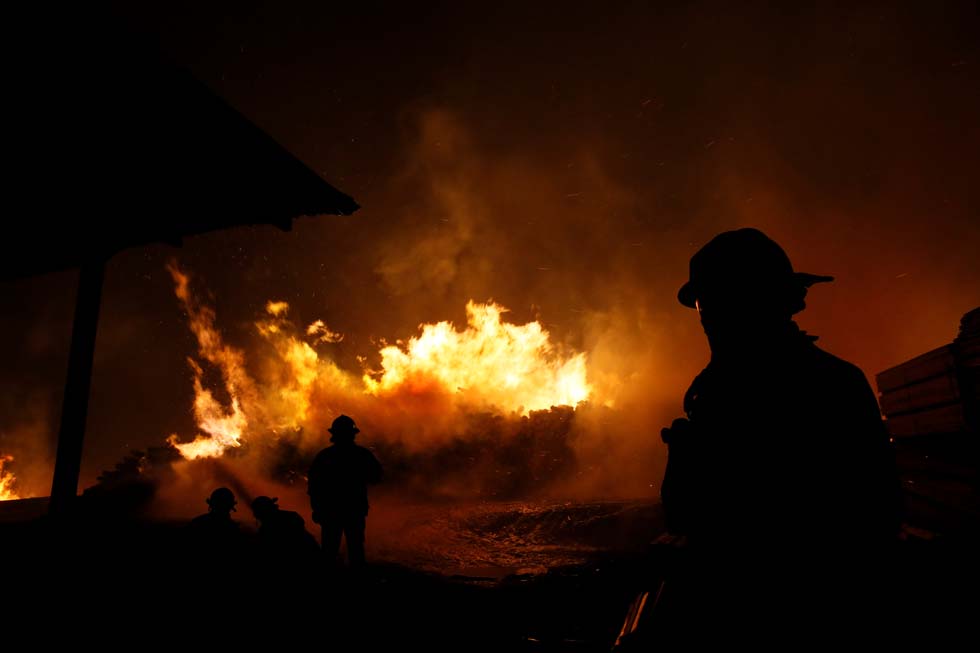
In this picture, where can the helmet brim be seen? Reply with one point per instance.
(688, 294)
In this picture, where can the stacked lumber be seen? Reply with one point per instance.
(936, 393)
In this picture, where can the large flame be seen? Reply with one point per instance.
(7, 480)
(491, 364)
(511, 367)
(222, 426)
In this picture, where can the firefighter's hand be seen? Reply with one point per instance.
(677, 431)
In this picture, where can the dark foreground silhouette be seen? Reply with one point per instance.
(780, 484)
(338, 481)
(282, 537)
(215, 530)
(781, 490)
(111, 576)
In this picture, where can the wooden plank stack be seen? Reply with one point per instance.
(936, 393)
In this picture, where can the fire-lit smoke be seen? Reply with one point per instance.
(7, 480)
(567, 172)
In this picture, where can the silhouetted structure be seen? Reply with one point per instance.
(932, 403)
(938, 392)
(338, 481)
(782, 476)
(151, 155)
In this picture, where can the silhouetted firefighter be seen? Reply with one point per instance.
(282, 533)
(338, 481)
(782, 477)
(216, 530)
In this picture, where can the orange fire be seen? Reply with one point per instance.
(512, 367)
(490, 364)
(222, 426)
(7, 480)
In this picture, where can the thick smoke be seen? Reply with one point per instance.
(452, 410)
(568, 172)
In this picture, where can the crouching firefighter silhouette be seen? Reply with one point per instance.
(282, 533)
(781, 480)
(338, 481)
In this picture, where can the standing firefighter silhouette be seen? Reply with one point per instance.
(781, 478)
(338, 481)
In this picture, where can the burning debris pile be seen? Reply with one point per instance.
(491, 456)
(489, 410)
(486, 411)
(494, 457)
(427, 381)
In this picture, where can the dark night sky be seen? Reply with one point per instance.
(564, 160)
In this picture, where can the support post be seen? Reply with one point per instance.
(64, 487)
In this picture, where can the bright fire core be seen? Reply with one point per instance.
(513, 367)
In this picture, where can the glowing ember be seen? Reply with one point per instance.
(512, 367)
(7, 480)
